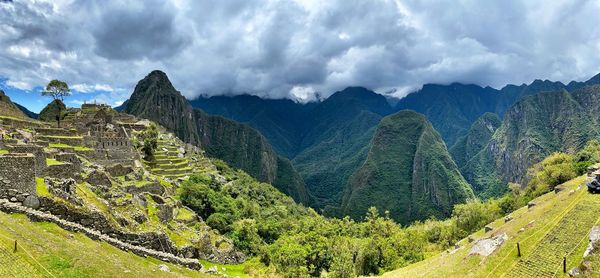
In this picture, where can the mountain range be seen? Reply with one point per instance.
(329, 154)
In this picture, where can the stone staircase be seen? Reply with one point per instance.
(169, 161)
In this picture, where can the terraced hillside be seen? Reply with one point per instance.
(558, 225)
(46, 250)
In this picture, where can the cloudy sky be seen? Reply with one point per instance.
(291, 48)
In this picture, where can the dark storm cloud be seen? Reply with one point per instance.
(133, 33)
(297, 47)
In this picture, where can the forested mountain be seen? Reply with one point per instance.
(408, 172)
(328, 141)
(476, 138)
(239, 145)
(453, 108)
(533, 128)
(282, 121)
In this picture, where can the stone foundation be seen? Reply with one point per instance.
(37, 151)
(17, 174)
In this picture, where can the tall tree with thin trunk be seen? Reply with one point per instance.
(58, 90)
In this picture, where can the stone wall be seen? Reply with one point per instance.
(69, 158)
(63, 171)
(17, 123)
(38, 153)
(72, 141)
(114, 143)
(56, 131)
(17, 175)
(118, 170)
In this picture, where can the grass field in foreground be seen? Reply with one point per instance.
(558, 225)
(54, 253)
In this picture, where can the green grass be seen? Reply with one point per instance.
(53, 249)
(557, 225)
(41, 188)
(61, 137)
(59, 145)
(185, 214)
(230, 270)
(76, 148)
(3, 152)
(52, 161)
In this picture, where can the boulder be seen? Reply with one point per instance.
(507, 218)
(531, 204)
(574, 272)
(164, 268)
(32, 202)
(594, 241)
(487, 228)
(486, 246)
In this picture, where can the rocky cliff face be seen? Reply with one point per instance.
(476, 139)
(532, 129)
(239, 145)
(8, 108)
(408, 172)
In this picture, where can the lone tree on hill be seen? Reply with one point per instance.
(58, 90)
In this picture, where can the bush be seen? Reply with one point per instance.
(555, 169)
(220, 221)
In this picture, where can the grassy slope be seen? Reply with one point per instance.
(550, 232)
(63, 256)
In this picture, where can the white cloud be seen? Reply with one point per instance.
(85, 88)
(273, 48)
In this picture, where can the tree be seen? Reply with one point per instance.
(57, 89)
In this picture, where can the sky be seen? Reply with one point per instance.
(290, 48)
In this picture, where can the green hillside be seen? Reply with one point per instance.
(532, 129)
(558, 225)
(476, 139)
(408, 172)
(46, 250)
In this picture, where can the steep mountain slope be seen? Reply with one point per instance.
(408, 172)
(282, 121)
(239, 145)
(452, 108)
(476, 139)
(337, 143)
(8, 108)
(327, 140)
(532, 128)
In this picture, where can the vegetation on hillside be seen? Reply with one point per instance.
(408, 172)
